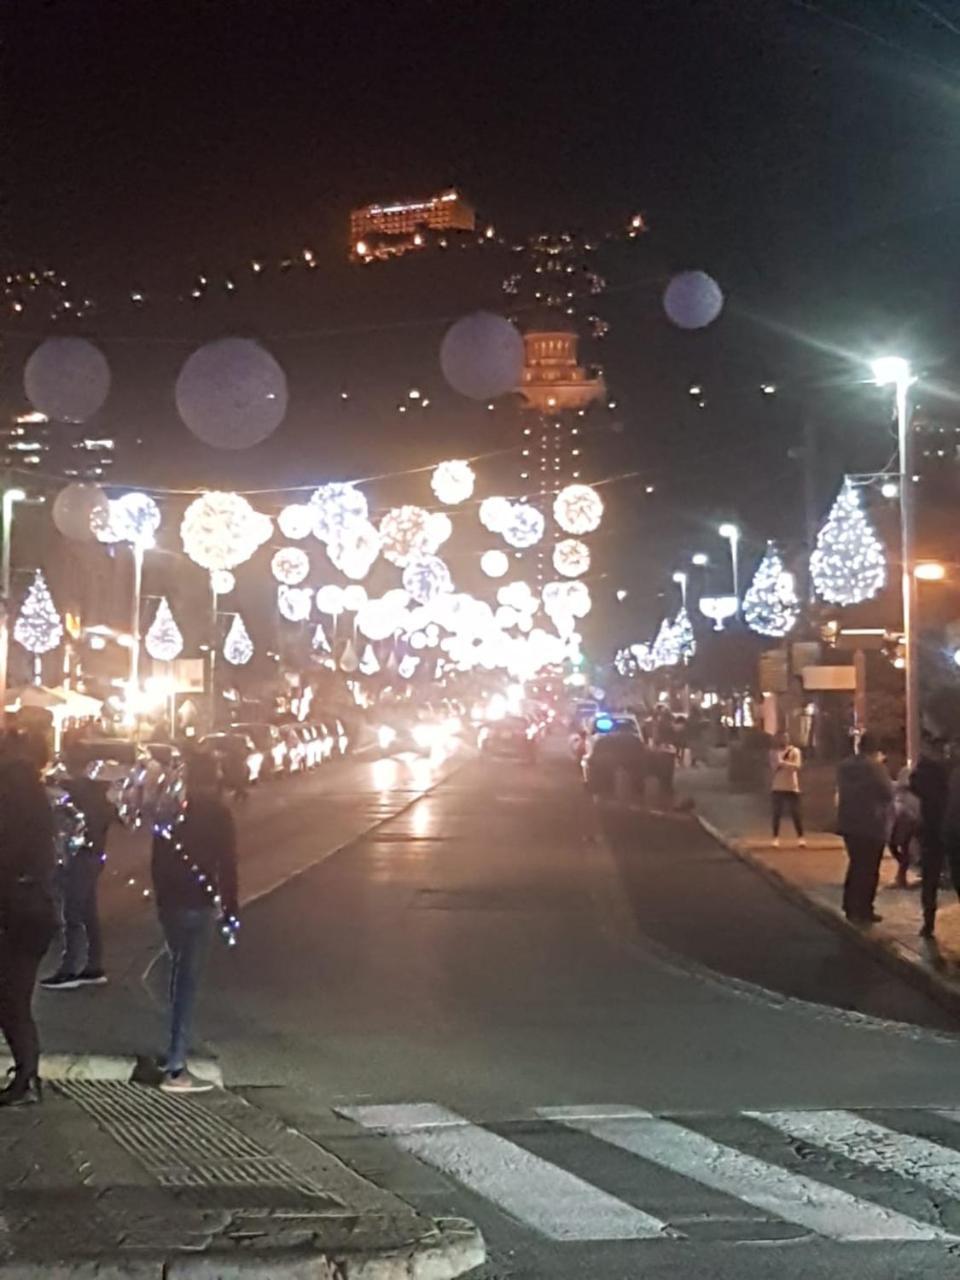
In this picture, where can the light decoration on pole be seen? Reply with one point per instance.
(330, 600)
(133, 518)
(525, 526)
(666, 646)
(38, 627)
(719, 609)
(294, 603)
(495, 514)
(369, 664)
(495, 564)
(571, 557)
(355, 549)
(848, 564)
(238, 647)
(404, 534)
(297, 520)
(578, 509)
(354, 597)
(290, 566)
(222, 582)
(427, 578)
(163, 640)
(381, 618)
(453, 481)
(222, 530)
(320, 643)
(770, 606)
(335, 507)
(407, 666)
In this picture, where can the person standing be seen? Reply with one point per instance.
(937, 790)
(81, 964)
(865, 812)
(906, 826)
(785, 764)
(194, 867)
(28, 917)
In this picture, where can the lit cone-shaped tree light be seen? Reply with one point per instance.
(163, 641)
(848, 564)
(683, 632)
(238, 647)
(770, 606)
(38, 627)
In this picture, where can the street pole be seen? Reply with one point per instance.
(213, 658)
(137, 550)
(909, 582)
(10, 498)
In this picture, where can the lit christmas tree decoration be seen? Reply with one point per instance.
(683, 630)
(524, 527)
(290, 565)
(238, 647)
(643, 656)
(404, 534)
(297, 520)
(320, 643)
(578, 509)
(571, 557)
(495, 564)
(335, 507)
(222, 530)
(294, 603)
(38, 627)
(770, 606)
(453, 482)
(848, 564)
(222, 582)
(666, 646)
(495, 513)
(163, 640)
(369, 665)
(355, 549)
(427, 578)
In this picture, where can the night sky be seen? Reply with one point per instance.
(807, 155)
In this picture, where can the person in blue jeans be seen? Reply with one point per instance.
(194, 867)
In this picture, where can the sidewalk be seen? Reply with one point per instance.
(115, 1180)
(741, 821)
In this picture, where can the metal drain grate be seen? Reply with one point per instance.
(180, 1142)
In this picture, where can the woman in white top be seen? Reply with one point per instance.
(785, 763)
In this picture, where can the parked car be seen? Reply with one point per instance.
(513, 736)
(117, 762)
(619, 748)
(312, 744)
(239, 755)
(296, 759)
(268, 740)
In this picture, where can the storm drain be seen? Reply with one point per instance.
(182, 1144)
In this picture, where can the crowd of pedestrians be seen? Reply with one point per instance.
(53, 844)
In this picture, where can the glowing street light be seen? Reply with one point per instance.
(680, 578)
(700, 559)
(930, 571)
(732, 534)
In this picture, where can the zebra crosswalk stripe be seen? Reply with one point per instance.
(856, 1138)
(539, 1194)
(836, 1214)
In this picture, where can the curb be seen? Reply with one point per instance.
(887, 950)
(451, 1249)
(100, 1066)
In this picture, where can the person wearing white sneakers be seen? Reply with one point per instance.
(785, 764)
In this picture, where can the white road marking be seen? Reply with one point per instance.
(550, 1200)
(847, 1134)
(790, 1196)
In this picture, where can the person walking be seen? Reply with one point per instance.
(78, 874)
(865, 812)
(906, 827)
(194, 867)
(939, 793)
(785, 764)
(28, 917)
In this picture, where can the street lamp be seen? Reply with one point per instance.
(732, 535)
(10, 498)
(700, 559)
(895, 371)
(930, 571)
(680, 578)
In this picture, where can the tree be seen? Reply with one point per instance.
(848, 564)
(38, 627)
(770, 606)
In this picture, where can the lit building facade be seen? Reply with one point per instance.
(65, 449)
(384, 230)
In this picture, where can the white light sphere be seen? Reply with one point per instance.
(222, 582)
(525, 526)
(231, 393)
(67, 379)
(418, 640)
(506, 617)
(294, 603)
(439, 529)
(692, 300)
(355, 549)
(222, 530)
(354, 597)
(335, 507)
(495, 564)
(518, 595)
(133, 518)
(290, 565)
(426, 578)
(578, 601)
(571, 557)
(74, 507)
(404, 534)
(482, 356)
(297, 520)
(453, 481)
(378, 620)
(495, 513)
(525, 622)
(330, 599)
(578, 508)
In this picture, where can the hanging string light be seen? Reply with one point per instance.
(848, 564)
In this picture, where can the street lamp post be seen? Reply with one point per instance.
(680, 578)
(732, 535)
(10, 498)
(895, 371)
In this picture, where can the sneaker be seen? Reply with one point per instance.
(92, 978)
(60, 982)
(801, 843)
(184, 1082)
(775, 842)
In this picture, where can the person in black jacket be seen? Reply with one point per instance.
(930, 781)
(194, 867)
(864, 818)
(28, 918)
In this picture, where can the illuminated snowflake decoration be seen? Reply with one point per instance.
(566, 599)
(297, 521)
(290, 565)
(238, 647)
(453, 482)
(427, 578)
(222, 582)
(571, 557)
(222, 530)
(495, 513)
(518, 595)
(405, 534)
(355, 549)
(578, 509)
(495, 564)
(133, 518)
(525, 526)
(335, 506)
(330, 600)
(163, 640)
(294, 603)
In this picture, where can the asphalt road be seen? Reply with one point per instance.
(596, 1034)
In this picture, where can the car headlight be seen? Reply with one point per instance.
(386, 736)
